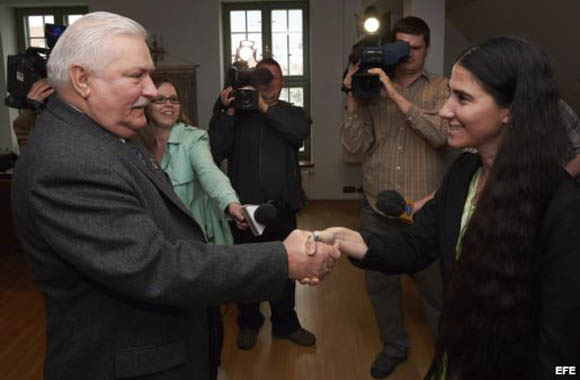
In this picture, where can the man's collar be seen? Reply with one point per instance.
(425, 74)
(64, 110)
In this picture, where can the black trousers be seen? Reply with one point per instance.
(284, 318)
(386, 295)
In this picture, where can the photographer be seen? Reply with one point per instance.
(401, 140)
(261, 147)
(37, 95)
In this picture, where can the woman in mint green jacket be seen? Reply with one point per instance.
(183, 152)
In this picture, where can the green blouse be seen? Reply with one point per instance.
(198, 182)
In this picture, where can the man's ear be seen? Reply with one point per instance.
(79, 79)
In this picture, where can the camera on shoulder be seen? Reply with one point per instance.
(24, 69)
(245, 77)
(244, 81)
(385, 57)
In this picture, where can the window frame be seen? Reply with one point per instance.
(289, 80)
(59, 14)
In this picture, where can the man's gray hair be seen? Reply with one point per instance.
(84, 43)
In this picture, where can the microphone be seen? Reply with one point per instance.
(394, 205)
(258, 216)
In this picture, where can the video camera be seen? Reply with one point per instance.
(23, 70)
(385, 57)
(244, 77)
(244, 81)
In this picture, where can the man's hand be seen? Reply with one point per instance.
(308, 261)
(390, 91)
(39, 91)
(227, 99)
(351, 102)
(235, 211)
(388, 85)
(347, 241)
(352, 69)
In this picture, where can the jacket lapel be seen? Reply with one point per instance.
(457, 194)
(128, 151)
(147, 165)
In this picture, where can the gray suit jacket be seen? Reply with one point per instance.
(121, 264)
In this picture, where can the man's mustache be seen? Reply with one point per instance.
(141, 102)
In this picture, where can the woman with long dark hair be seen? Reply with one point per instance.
(505, 223)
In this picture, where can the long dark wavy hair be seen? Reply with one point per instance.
(488, 325)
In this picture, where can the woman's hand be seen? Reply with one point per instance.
(40, 90)
(349, 242)
(235, 211)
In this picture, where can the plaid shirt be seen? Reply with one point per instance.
(406, 153)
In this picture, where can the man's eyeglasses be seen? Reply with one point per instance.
(162, 99)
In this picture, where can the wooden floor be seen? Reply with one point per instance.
(338, 311)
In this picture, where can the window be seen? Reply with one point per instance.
(30, 23)
(278, 30)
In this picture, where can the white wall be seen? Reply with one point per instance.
(455, 44)
(553, 25)
(330, 43)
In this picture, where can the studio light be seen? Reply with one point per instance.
(371, 23)
(246, 51)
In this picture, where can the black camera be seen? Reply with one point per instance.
(244, 81)
(29, 67)
(385, 57)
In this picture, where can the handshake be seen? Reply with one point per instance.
(311, 255)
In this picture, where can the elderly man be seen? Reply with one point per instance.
(119, 260)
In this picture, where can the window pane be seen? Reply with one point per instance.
(295, 20)
(297, 96)
(280, 50)
(279, 43)
(279, 21)
(254, 21)
(257, 38)
(72, 18)
(49, 19)
(296, 54)
(295, 40)
(38, 42)
(237, 21)
(284, 94)
(282, 59)
(35, 26)
(296, 65)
